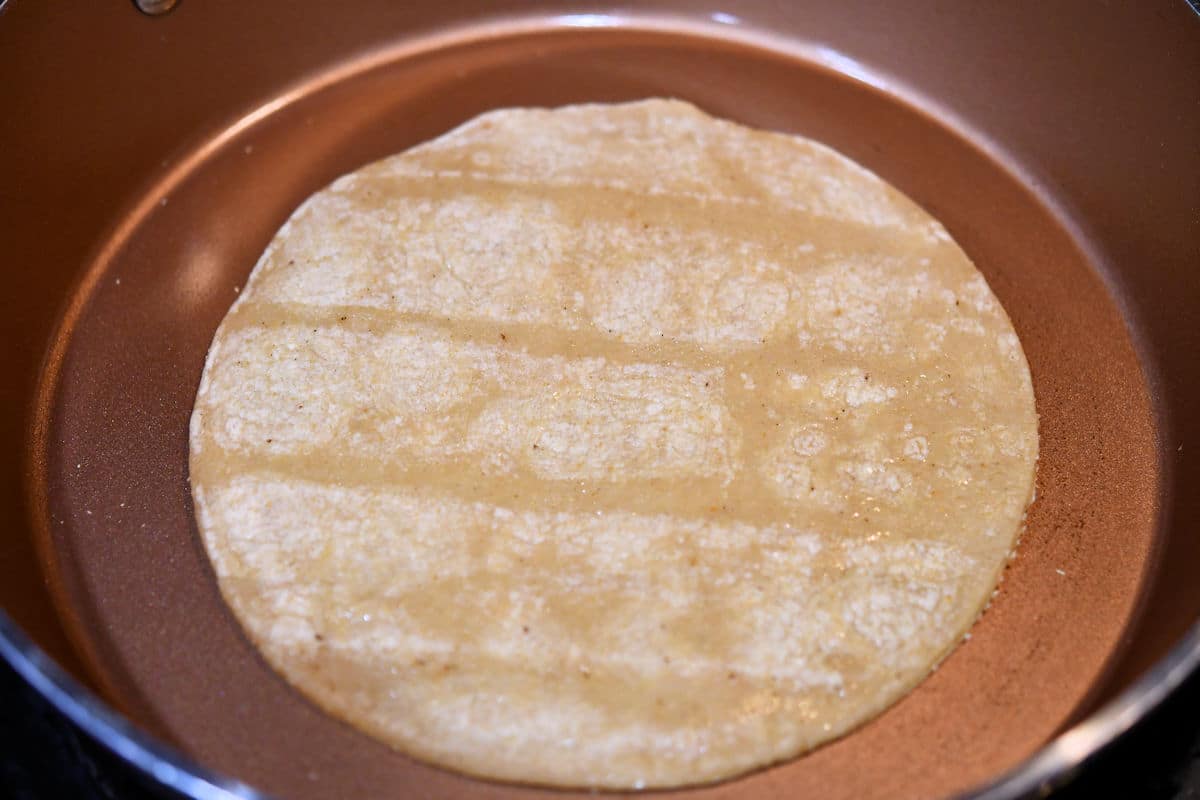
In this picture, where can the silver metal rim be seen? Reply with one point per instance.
(97, 719)
(1050, 768)
(1053, 766)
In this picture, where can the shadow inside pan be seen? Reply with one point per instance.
(112, 500)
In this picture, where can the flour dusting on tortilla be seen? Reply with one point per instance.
(611, 445)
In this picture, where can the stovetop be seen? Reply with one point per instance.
(43, 756)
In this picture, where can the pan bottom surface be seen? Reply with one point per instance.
(111, 498)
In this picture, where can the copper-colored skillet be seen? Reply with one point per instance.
(145, 163)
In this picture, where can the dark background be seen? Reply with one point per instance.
(43, 757)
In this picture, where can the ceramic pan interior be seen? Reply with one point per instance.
(116, 345)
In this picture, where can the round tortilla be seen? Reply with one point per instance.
(612, 446)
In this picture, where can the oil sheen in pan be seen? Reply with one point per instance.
(131, 576)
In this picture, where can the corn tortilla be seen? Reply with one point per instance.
(611, 445)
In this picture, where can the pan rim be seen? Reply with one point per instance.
(1053, 765)
(152, 757)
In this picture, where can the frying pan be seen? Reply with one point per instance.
(145, 162)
